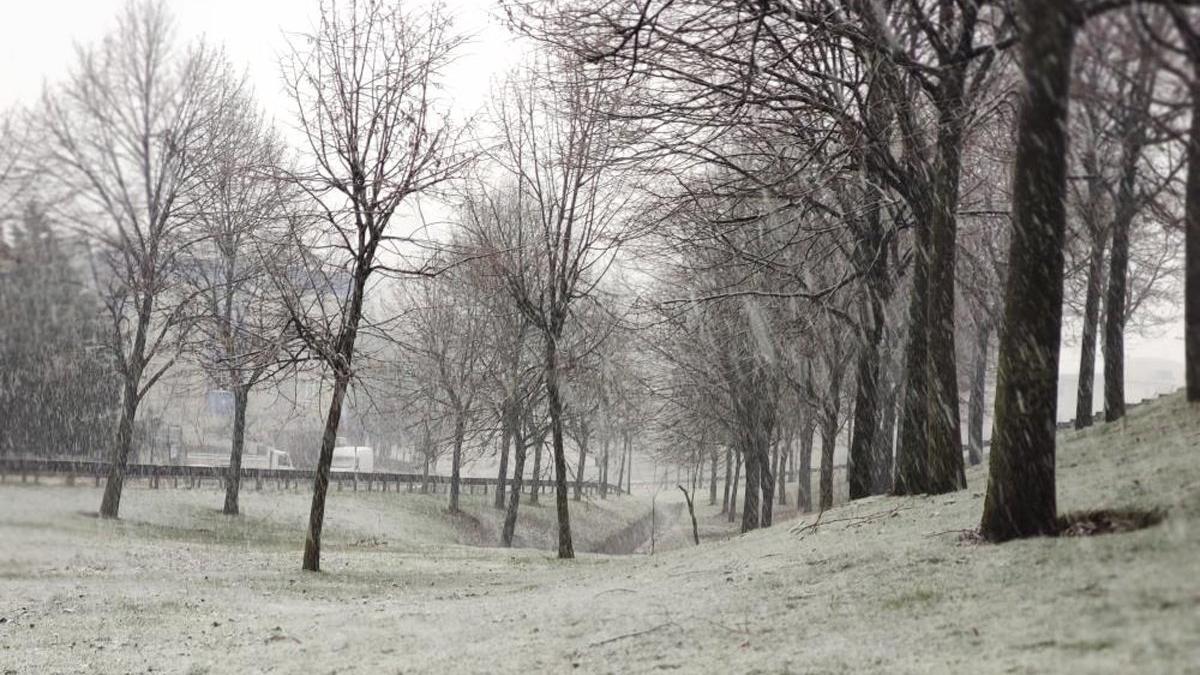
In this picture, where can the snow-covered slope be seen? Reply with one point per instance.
(882, 585)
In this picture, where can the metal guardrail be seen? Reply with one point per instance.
(156, 472)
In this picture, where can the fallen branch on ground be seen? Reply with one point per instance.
(805, 530)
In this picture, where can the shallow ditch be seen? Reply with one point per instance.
(633, 536)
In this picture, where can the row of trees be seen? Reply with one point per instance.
(810, 201)
(211, 241)
(839, 172)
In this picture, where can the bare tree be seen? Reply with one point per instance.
(443, 332)
(1021, 495)
(553, 239)
(364, 85)
(241, 330)
(126, 137)
(1189, 31)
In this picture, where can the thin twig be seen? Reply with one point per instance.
(633, 634)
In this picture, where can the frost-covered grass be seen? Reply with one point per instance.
(883, 585)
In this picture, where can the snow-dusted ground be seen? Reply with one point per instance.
(176, 587)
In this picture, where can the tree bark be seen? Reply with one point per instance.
(862, 456)
(233, 482)
(537, 469)
(1021, 500)
(514, 498)
(1084, 411)
(1114, 319)
(134, 367)
(728, 478)
(766, 482)
(629, 471)
(456, 459)
(752, 491)
(944, 425)
(712, 478)
(566, 549)
(316, 516)
(828, 444)
(604, 468)
(1192, 236)
(881, 481)
(737, 478)
(621, 470)
(911, 456)
(506, 434)
(781, 472)
(583, 444)
(804, 470)
(975, 406)
(110, 504)
(425, 470)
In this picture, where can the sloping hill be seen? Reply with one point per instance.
(882, 585)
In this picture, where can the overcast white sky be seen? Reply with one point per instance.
(37, 38)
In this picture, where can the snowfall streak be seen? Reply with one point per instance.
(155, 472)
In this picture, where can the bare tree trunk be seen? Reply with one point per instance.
(752, 491)
(110, 504)
(737, 478)
(425, 470)
(713, 458)
(565, 548)
(804, 468)
(233, 482)
(629, 471)
(604, 469)
(456, 460)
(514, 498)
(621, 470)
(539, 447)
(728, 478)
(316, 516)
(766, 481)
(866, 411)
(1084, 411)
(1133, 129)
(975, 406)
(944, 424)
(781, 471)
(828, 444)
(506, 435)
(1114, 321)
(579, 470)
(881, 482)
(1192, 235)
(912, 465)
(1021, 496)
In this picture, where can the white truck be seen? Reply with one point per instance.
(269, 458)
(353, 459)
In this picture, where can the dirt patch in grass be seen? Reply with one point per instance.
(1107, 521)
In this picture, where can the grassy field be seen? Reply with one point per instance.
(882, 585)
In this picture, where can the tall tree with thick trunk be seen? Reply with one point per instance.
(1021, 497)
(1190, 32)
